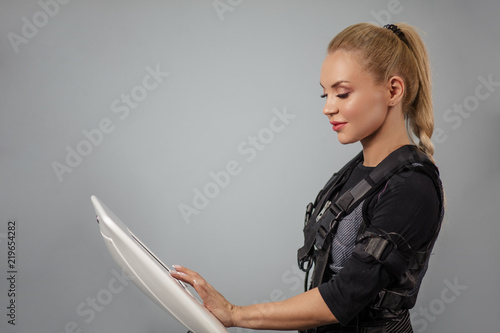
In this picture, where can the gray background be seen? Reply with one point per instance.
(227, 73)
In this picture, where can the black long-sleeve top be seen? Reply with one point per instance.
(408, 205)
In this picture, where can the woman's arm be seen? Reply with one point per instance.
(306, 310)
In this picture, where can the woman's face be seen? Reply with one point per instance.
(355, 105)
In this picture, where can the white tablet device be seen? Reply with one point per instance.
(151, 275)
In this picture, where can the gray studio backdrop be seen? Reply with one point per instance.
(199, 123)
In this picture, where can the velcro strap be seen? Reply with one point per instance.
(321, 263)
(387, 299)
(395, 263)
(418, 260)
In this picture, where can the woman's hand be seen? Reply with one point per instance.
(213, 300)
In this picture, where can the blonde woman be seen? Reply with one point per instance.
(368, 261)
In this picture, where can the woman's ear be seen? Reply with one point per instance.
(396, 87)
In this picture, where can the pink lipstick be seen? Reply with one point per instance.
(337, 125)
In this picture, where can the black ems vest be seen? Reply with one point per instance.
(323, 217)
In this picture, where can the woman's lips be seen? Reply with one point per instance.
(337, 125)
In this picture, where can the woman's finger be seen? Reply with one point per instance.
(199, 284)
(183, 274)
(212, 299)
(183, 269)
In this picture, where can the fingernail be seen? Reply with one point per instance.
(176, 266)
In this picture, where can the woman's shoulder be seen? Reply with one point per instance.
(409, 203)
(417, 179)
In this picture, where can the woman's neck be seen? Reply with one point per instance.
(372, 156)
(391, 136)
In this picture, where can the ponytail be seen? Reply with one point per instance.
(420, 114)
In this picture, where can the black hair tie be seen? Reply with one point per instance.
(394, 28)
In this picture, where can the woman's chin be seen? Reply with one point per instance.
(345, 140)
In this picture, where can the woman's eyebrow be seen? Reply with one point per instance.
(335, 84)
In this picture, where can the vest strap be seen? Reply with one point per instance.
(306, 254)
(387, 299)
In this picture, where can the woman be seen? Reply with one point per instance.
(376, 82)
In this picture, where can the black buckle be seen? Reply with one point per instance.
(381, 298)
(377, 248)
(305, 264)
(332, 212)
(337, 212)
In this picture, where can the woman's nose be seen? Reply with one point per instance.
(330, 107)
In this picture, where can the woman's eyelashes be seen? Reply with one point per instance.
(344, 95)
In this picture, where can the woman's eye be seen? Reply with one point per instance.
(345, 95)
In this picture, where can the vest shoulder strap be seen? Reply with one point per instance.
(310, 228)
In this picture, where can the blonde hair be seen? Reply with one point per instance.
(385, 53)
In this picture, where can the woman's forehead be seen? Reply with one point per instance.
(341, 67)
